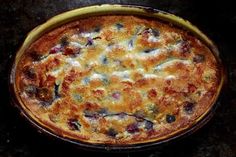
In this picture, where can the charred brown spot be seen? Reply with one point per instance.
(44, 94)
(35, 56)
(29, 73)
(68, 51)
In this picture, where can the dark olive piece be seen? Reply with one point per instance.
(56, 90)
(170, 118)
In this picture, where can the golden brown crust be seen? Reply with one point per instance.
(117, 80)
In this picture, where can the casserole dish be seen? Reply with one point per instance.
(42, 101)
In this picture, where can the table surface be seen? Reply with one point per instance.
(217, 19)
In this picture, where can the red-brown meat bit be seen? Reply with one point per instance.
(152, 93)
(191, 88)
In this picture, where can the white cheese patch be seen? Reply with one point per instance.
(74, 37)
(171, 63)
(73, 62)
(170, 77)
(76, 44)
(88, 34)
(150, 76)
(152, 38)
(56, 72)
(122, 74)
(96, 76)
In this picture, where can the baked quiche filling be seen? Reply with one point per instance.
(117, 80)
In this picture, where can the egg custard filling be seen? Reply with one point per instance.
(117, 79)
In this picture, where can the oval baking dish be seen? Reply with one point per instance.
(117, 77)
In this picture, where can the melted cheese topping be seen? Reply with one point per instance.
(117, 80)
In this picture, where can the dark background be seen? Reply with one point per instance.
(216, 18)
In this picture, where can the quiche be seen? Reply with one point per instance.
(117, 79)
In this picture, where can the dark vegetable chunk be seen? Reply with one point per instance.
(148, 125)
(119, 26)
(188, 107)
(132, 128)
(56, 90)
(74, 124)
(112, 132)
(199, 58)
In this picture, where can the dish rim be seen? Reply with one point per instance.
(108, 9)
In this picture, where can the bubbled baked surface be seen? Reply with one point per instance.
(117, 80)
